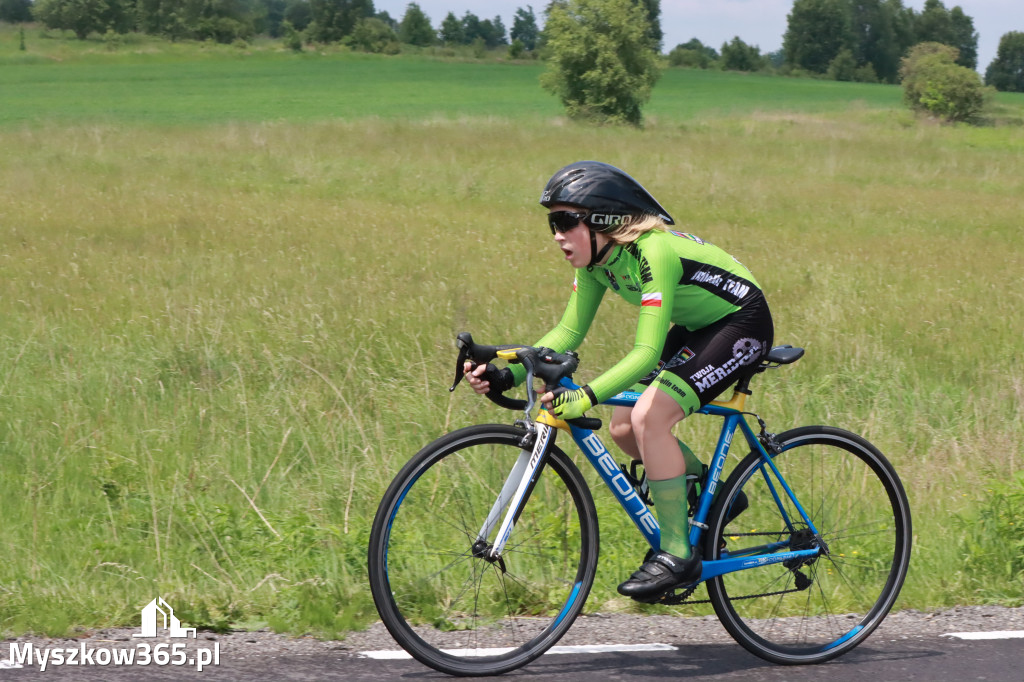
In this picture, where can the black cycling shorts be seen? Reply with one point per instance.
(697, 366)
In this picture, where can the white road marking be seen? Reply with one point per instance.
(995, 634)
(580, 649)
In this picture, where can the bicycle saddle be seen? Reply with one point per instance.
(783, 355)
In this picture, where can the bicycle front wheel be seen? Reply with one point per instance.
(444, 601)
(811, 609)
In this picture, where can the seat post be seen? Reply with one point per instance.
(743, 385)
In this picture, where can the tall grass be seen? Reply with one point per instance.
(219, 342)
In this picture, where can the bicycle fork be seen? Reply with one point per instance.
(514, 493)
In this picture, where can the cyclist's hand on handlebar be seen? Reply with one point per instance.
(567, 404)
(479, 385)
(483, 378)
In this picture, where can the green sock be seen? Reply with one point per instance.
(693, 464)
(670, 502)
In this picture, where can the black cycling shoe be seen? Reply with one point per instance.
(660, 573)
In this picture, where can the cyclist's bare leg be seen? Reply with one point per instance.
(652, 420)
(621, 430)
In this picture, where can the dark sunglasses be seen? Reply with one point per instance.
(563, 221)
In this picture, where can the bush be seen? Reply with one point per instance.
(224, 30)
(738, 56)
(374, 35)
(693, 59)
(478, 48)
(934, 84)
(865, 74)
(600, 59)
(81, 16)
(843, 66)
(292, 37)
(994, 541)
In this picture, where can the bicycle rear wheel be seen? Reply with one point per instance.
(447, 606)
(814, 609)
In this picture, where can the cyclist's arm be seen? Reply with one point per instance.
(658, 295)
(579, 313)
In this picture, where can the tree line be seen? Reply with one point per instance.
(225, 21)
(852, 40)
(862, 40)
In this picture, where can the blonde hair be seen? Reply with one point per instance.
(626, 233)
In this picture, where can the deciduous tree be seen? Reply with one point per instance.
(815, 32)
(937, 24)
(15, 11)
(80, 16)
(336, 19)
(374, 35)
(965, 38)
(1006, 72)
(524, 28)
(876, 40)
(602, 65)
(492, 31)
(451, 32)
(415, 28)
(654, 32)
(738, 56)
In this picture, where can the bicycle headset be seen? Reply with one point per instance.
(611, 195)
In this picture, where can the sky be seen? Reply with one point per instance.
(713, 22)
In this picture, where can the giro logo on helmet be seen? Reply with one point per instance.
(609, 219)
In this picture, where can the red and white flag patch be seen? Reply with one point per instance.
(651, 299)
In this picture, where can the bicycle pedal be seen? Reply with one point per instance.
(638, 481)
(673, 596)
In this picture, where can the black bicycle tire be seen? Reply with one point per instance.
(810, 653)
(390, 612)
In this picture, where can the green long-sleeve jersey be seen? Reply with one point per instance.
(673, 277)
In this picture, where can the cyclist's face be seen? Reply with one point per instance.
(575, 242)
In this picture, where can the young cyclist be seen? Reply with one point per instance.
(703, 323)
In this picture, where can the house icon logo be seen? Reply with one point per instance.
(159, 612)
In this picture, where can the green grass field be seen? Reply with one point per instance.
(230, 284)
(147, 82)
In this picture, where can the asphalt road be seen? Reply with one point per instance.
(935, 659)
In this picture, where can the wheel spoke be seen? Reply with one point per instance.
(438, 595)
(855, 502)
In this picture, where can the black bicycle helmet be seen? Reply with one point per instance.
(611, 196)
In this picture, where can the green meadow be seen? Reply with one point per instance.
(230, 280)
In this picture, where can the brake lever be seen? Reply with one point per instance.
(460, 363)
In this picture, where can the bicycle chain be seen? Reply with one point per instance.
(677, 600)
(671, 598)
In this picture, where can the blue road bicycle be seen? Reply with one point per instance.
(485, 545)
